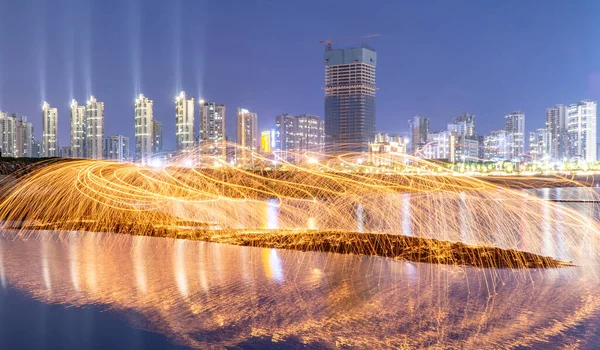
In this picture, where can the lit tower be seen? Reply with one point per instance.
(49, 131)
(212, 128)
(184, 122)
(78, 130)
(247, 134)
(349, 98)
(143, 128)
(95, 129)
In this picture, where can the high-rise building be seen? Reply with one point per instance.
(184, 122)
(143, 128)
(310, 133)
(556, 124)
(285, 137)
(350, 98)
(539, 144)
(294, 136)
(23, 137)
(49, 131)
(514, 125)
(496, 146)
(581, 126)
(95, 128)
(247, 135)
(212, 128)
(78, 130)
(419, 129)
(116, 148)
(7, 135)
(157, 137)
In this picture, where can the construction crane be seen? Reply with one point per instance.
(330, 40)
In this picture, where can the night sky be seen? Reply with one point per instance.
(435, 58)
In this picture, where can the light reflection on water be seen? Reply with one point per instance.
(201, 294)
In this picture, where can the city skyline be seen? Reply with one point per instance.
(436, 83)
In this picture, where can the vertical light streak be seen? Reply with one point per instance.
(179, 266)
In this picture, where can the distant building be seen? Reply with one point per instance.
(481, 147)
(36, 149)
(78, 130)
(95, 128)
(514, 125)
(556, 124)
(23, 137)
(212, 128)
(144, 139)
(539, 144)
(247, 135)
(157, 137)
(265, 141)
(294, 136)
(419, 131)
(581, 125)
(496, 146)
(467, 144)
(184, 122)
(49, 131)
(7, 135)
(440, 145)
(350, 98)
(65, 152)
(388, 151)
(116, 148)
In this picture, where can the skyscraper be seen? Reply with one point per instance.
(7, 135)
(247, 135)
(581, 126)
(95, 129)
(495, 145)
(310, 133)
(212, 128)
(285, 137)
(467, 144)
(143, 128)
(556, 124)
(78, 130)
(419, 129)
(514, 125)
(184, 122)
(116, 148)
(49, 131)
(349, 98)
(157, 137)
(23, 137)
(539, 144)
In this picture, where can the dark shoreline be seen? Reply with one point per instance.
(399, 247)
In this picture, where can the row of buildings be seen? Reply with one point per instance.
(569, 135)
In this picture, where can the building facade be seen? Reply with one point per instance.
(556, 124)
(116, 148)
(49, 131)
(78, 130)
(143, 128)
(539, 145)
(212, 128)
(184, 122)
(157, 136)
(440, 145)
(419, 131)
(95, 128)
(514, 126)
(350, 98)
(7, 135)
(495, 146)
(581, 127)
(247, 135)
(23, 137)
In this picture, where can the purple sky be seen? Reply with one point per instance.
(435, 58)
